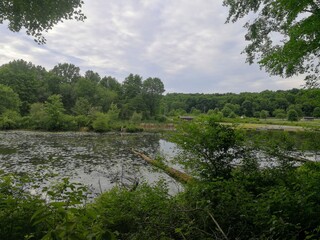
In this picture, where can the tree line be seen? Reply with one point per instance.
(62, 98)
(278, 104)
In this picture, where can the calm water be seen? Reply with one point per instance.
(98, 160)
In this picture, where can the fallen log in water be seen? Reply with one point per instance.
(174, 173)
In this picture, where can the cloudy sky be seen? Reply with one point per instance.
(185, 43)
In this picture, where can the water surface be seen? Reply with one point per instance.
(98, 160)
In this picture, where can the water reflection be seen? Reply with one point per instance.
(99, 160)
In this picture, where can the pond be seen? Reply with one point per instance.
(100, 161)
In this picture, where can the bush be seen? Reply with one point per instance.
(10, 120)
(101, 123)
(16, 208)
(145, 213)
(136, 118)
(161, 118)
(292, 115)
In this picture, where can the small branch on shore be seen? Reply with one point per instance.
(174, 173)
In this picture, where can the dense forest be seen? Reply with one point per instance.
(63, 99)
(306, 102)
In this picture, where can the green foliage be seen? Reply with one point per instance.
(111, 83)
(195, 112)
(38, 116)
(152, 90)
(247, 108)
(136, 118)
(245, 104)
(55, 113)
(280, 113)
(292, 115)
(145, 213)
(82, 107)
(64, 217)
(297, 24)
(113, 113)
(67, 72)
(227, 111)
(101, 122)
(259, 204)
(161, 118)
(212, 147)
(10, 120)
(9, 100)
(92, 76)
(264, 114)
(29, 15)
(133, 129)
(82, 121)
(25, 79)
(16, 208)
(316, 112)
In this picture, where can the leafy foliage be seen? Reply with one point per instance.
(30, 15)
(212, 146)
(296, 23)
(293, 115)
(9, 100)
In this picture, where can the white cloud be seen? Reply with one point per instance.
(185, 43)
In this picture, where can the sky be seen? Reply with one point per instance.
(184, 43)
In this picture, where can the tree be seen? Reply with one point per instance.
(93, 76)
(9, 100)
(247, 108)
(210, 147)
(25, 79)
(38, 116)
(113, 113)
(101, 123)
(67, 71)
(279, 113)
(82, 107)
(9, 119)
(55, 112)
(132, 86)
(136, 118)
(38, 16)
(152, 89)
(86, 88)
(264, 114)
(292, 115)
(297, 108)
(226, 111)
(296, 22)
(316, 112)
(111, 83)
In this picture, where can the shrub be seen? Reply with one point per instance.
(145, 213)
(101, 123)
(292, 115)
(10, 120)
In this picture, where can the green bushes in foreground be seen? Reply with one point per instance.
(262, 204)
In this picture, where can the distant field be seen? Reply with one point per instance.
(276, 124)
